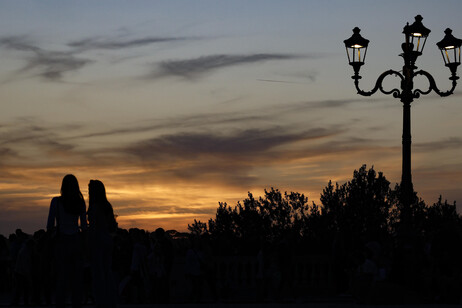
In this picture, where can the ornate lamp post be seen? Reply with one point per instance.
(415, 38)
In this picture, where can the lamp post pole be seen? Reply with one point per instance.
(406, 176)
(415, 38)
(407, 85)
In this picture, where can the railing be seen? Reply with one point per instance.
(243, 278)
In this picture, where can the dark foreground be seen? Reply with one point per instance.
(311, 302)
(257, 305)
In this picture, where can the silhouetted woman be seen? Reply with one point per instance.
(102, 226)
(65, 213)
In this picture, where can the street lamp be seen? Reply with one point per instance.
(450, 50)
(356, 47)
(415, 38)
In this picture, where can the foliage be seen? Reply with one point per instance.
(360, 206)
(441, 214)
(197, 228)
(267, 218)
(364, 208)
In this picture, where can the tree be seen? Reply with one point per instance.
(440, 215)
(268, 218)
(360, 206)
(198, 228)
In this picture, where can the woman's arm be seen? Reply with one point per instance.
(52, 214)
(83, 219)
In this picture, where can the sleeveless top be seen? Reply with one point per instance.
(66, 223)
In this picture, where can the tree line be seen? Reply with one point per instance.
(363, 209)
(379, 250)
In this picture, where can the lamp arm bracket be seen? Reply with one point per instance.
(379, 86)
(432, 86)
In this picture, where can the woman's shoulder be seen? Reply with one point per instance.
(55, 200)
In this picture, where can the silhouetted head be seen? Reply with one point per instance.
(39, 234)
(70, 186)
(97, 198)
(71, 196)
(160, 232)
(97, 192)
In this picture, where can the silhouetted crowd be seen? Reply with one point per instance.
(409, 270)
(142, 263)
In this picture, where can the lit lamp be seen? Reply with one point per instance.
(450, 50)
(356, 47)
(416, 36)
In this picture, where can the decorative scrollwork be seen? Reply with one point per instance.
(379, 86)
(432, 86)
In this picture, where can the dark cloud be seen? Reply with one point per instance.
(449, 143)
(44, 139)
(53, 65)
(240, 143)
(194, 152)
(332, 103)
(312, 107)
(218, 158)
(198, 67)
(20, 43)
(98, 43)
(311, 76)
(248, 117)
(5, 153)
(335, 103)
(50, 65)
(335, 149)
(186, 122)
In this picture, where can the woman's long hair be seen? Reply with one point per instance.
(97, 195)
(71, 196)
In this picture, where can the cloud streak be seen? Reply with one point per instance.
(43, 140)
(210, 157)
(203, 155)
(449, 143)
(199, 67)
(113, 44)
(239, 144)
(246, 118)
(53, 65)
(49, 65)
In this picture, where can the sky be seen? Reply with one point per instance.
(178, 105)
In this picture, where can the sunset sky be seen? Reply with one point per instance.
(177, 105)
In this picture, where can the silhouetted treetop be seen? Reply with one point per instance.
(361, 205)
(364, 208)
